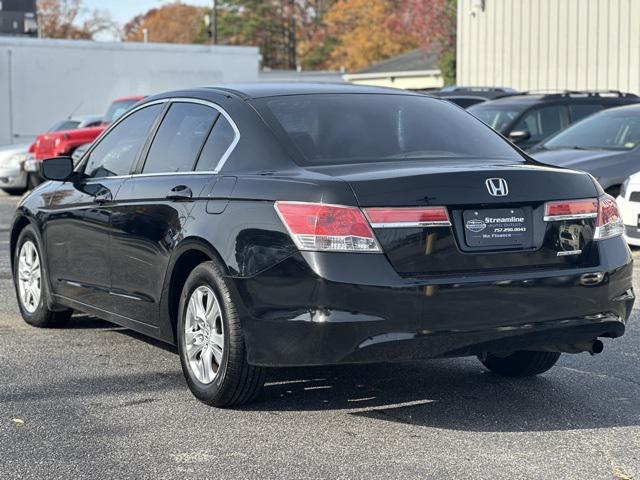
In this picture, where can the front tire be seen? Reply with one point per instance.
(211, 342)
(31, 286)
(14, 191)
(520, 364)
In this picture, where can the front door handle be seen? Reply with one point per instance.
(180, 192)
(104, 195)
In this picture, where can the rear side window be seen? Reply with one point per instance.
(117, 151)
(180, 137)
(580, 111)
(543, 121)
(218, 143)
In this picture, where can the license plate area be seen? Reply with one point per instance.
(497, 228)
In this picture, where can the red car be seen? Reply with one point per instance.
(55, 144)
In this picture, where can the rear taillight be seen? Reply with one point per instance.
(604, 209)
(609, 223)
(571, 210)
(330, 228)
(404, 217)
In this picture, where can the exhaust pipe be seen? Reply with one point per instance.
(596, 347)
(593, 347)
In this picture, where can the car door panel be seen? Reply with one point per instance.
(77, 239)
(78, 232)
(146, 227)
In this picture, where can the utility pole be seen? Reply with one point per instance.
(293, 61)
(214, 23)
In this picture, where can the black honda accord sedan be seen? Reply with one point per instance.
(276, 225)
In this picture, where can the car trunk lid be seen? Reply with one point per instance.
(487, 232)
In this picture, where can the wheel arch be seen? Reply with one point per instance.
(19, 224)
(190, 253)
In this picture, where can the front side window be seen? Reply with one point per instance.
(358, 128)
(180, 137)
(117, 151)
(604, 131)
(543, 122)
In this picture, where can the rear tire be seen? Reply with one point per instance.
(211, 342)
(29, 278)
(521, 364)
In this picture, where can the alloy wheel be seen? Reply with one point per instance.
(204, 334)
(29, 276)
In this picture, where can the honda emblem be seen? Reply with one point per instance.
(497, 187)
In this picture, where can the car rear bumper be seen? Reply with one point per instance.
(328, 308)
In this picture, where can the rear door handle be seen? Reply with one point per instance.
(180, 192)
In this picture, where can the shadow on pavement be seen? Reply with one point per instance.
(454, 394)
(450, 394)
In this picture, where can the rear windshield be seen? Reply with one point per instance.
(354, 128)
(498, 118)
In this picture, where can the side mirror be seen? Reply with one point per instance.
(59, 169)
(519, 135)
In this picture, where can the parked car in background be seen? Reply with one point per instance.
(528, 119)
(14, 159)
(468, 96)
(64, 142)
(13, 178)
(629, 205)
(79, 152)
(253, 227)
(606, 145)
(77, 121)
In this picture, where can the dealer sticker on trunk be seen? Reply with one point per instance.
(496, 227)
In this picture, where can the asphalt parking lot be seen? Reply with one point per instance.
(97, 401)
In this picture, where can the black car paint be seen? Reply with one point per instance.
(118, 259)
(610, 167)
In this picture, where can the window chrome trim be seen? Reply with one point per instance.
(215, 106)
(225, 156)
(82, 163)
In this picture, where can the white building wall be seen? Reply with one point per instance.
(550, 44)
(43, 81)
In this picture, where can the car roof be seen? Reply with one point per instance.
(269, 89)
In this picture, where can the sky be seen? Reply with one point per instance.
(124, 10)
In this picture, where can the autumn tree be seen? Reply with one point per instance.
(313, 43)
(270, 25)
(69, 19)
(364, 33)
(172, 23)
(434, 23)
